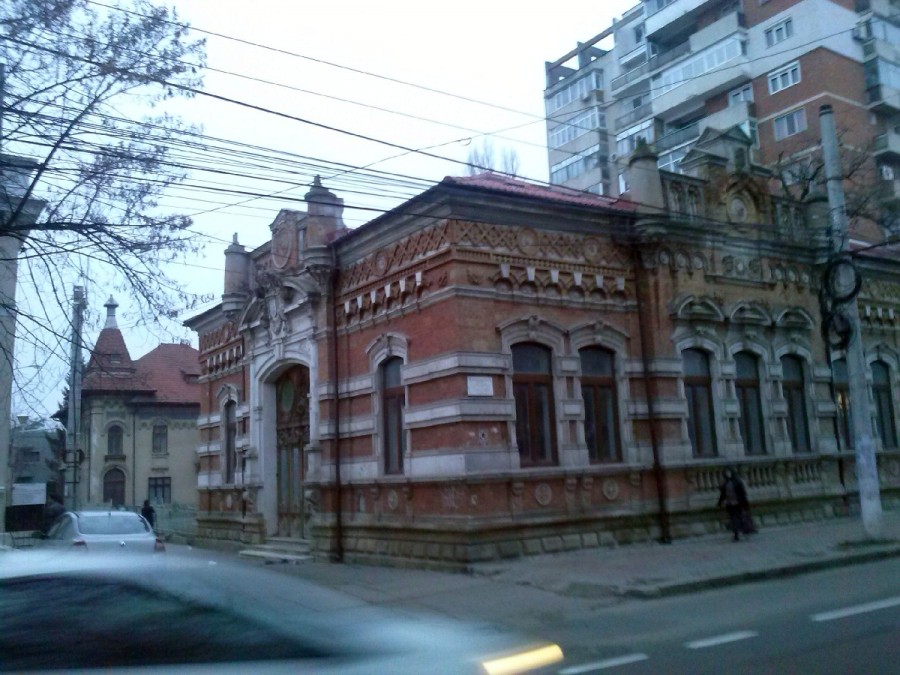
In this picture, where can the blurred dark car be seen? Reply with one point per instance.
(102, 531)
(162, 614)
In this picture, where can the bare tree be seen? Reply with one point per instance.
(84, 89)
(482, 158)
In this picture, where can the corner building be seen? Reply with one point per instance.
(496, 369)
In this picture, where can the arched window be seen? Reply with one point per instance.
(842, 402)
(698, 390)
(229, 422)
(533, 392)
(884, 404)
(794, 393)
(598, 390)
(114, 487)
(393, 400)
(114, 440)
(747, 388)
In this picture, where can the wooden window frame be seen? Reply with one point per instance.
(883, 398)
(693, 386)
(393, 403)
(749, 395)
(794, 391)
(526, 392)
(598, 385)
(229, 431)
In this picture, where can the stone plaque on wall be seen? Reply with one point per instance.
(480, 385)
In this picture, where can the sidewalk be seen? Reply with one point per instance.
(611, 573)
(651, 570)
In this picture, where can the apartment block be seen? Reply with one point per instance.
(668, 70)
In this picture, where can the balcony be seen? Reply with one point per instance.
(719, 30)
(727, 118)
(654, 63)
(887, 146)
(674, 17)
(631, 76)
(685, 95)
(634, 116)
(679, 137)
(884, 8)
(883, 99)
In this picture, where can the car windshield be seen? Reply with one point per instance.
(112, 523)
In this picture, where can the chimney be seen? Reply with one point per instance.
(237, 280)
(643, 176)
(111, 306)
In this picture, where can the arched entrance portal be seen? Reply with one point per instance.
(292, 427)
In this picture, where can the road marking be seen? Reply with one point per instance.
(602, 665)
(856, 609)
(720, 639)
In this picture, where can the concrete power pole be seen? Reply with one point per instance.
(860, 411)
(73, 421)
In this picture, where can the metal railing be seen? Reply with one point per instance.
(678, 137)
(635, 115)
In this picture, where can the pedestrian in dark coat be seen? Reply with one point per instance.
(149, 513)
(733, 496)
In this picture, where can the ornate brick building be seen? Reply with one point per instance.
(496, 368)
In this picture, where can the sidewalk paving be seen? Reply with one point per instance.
(652, 569)
(610, 574)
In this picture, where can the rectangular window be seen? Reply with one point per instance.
(698, 391)
(701, 63)
(575, 127)
(623, 182)
(533, 394)
(779, 32)
(788, 125)
(159, 490)
(598, 391)
(575, 91)
(741, 95)
(29, 455)
(784, 77)
(160, 439)
(575, 165)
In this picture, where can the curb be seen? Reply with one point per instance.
(781, 571)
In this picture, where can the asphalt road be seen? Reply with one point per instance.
(844, 620)
(839, 621)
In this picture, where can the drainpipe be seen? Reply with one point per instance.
(658, 473)
(133, 459)
(339, 508)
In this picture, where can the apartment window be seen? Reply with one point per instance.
(29, 455)
(779, 32)
(703, 62)
(159, 490)
(114, 440)
(792, 386)
(698, 390)
(160, 439)
(741, 95)
(884, 404)
(576, 126)
(533, 393)
(639, 34)
(842, 401)
(575, 91)
(788, 125)
(748, 394)
(230, 424)
(393, 400)
(575, 165)
(598, 390)
(784, 77)
(623, 182)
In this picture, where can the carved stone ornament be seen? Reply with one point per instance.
(282, 247)
(543, 493)
(393, 500)
(528, 242)
(610, 489)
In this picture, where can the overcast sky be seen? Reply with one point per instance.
(487, 51)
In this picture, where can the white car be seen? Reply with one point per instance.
(165, 614)
(103, 531)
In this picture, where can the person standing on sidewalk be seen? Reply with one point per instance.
(733, 495)
(149, 514)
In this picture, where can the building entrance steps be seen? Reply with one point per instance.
(279, 550)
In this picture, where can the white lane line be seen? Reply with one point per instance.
(602, 665)
(856, 609)
(720, 639)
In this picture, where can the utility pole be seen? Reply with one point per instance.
(73, 421)
(846, 276)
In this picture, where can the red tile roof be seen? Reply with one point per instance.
(497, 182)
(167, 374)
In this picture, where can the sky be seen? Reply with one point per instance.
(342, 64)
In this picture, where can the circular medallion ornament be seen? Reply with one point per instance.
(543, 493)
(592, 249)
(282, 247)
(393, 500)
(381, 263)
(737, 208)
(528, 242)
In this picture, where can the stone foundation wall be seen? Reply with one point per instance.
(226, 531)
